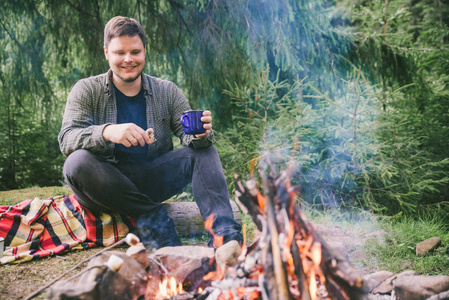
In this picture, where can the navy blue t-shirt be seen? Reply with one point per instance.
(131, 110)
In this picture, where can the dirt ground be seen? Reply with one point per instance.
(20, 280)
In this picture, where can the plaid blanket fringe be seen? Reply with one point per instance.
(38, 228)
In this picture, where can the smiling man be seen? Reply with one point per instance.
(112, 164)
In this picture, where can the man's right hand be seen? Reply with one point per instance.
(128, 134)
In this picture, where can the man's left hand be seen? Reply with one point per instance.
(207, 120)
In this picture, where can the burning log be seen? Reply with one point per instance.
(298, 264)
(278, 286)
(343, 281)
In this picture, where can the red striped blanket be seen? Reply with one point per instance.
(38, 228)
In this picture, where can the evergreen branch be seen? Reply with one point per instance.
(80, 9)
(11, 35)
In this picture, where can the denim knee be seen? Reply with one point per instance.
(78, 162)
(204, 153)
(73, 161)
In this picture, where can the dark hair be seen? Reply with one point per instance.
(119, 26)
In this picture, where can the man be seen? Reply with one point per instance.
(113, 166)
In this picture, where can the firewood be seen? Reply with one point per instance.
(295, 252)
(279, 291)
(248, 201)
(343, 280)
(187, 217)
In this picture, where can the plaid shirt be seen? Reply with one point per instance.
(91, 106)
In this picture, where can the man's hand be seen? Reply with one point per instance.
(207, 120)
(128, 134)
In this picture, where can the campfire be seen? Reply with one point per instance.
(288, 260)
(169, 288)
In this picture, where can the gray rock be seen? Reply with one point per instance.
(64, 290)
(419, 287)
(227, 255)
(385, 287)
(374, 279)
(129, 281)
(428, 245)
(440, 296)
(139, 253)
(377, 297)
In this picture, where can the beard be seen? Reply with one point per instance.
(127, 78)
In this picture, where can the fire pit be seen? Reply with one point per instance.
(287, 261)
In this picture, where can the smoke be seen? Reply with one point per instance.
(311, 108)
(330, 148)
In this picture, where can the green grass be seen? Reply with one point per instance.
(16, 196)
(398, 251)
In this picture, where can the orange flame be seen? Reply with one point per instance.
(218, 239)
(261, 201)
(312, 284)
(310, 252)
(287, 253)
(168, 288)
(214, 275)
(316, 253)
(218, 274)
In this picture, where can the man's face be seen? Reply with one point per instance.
(126, 56)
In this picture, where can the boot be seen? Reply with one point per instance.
(157, 230)
(227, 228)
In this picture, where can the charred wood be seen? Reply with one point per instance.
(280, 289)
(298, 264)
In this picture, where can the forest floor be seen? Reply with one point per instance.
(17, 281)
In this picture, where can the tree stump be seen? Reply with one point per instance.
(187, 217)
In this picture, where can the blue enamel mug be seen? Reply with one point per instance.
(191, 121)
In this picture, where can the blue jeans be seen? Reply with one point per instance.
(138, 188)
